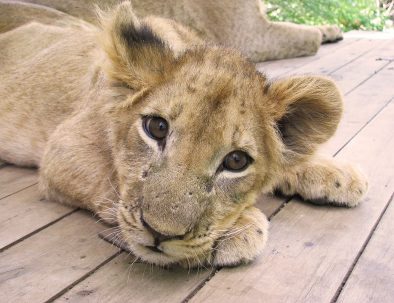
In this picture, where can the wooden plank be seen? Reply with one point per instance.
(50, 261)
(269, 204)
(24, 212)
(355, 73)
(324, 50)
(14, 179)
(373, 276)
(311, 248)
(122, 281)
(361, 105)
(328, 63)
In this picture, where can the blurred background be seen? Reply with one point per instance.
(348, 14)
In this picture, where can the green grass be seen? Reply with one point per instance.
(348, 14)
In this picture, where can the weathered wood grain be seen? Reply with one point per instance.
(373, 276)
(353, 74)
(14, 179)
(361, 105)
(294, 63)
(25, 212)
(326, 64)
(122, 281)
(269, 204)
(50, 261)
(311, 248)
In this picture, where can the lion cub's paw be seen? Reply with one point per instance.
(330, 33)
(244, 241)
(344, 185)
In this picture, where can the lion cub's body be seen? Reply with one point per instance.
(73, 99)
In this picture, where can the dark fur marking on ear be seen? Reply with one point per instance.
(142, 35)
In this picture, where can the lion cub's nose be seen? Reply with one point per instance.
(159, 237)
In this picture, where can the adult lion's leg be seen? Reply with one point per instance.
(287, 40)
(325, 181)
(279, 40)
(330, 33)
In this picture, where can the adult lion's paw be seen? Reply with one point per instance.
(244, 241)
(330, 33)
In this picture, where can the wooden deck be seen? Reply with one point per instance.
(50, 252)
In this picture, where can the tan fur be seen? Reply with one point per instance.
(72, 100)
(242, 24)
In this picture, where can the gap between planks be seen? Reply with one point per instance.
(372, 277)
(294, 63)
(15, 179)
(329, 63)
(360, 253)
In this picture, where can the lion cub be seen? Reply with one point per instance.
(165, 136)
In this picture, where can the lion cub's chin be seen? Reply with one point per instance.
(162, 259)
(150, 256)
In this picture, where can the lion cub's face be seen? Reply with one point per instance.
(198, 135)
(193, 157)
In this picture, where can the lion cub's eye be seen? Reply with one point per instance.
(155, 127)
(236, 161)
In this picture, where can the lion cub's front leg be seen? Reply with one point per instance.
(244, 241)
(325, 181)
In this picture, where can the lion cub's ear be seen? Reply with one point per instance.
(307, 111)
(137, 57)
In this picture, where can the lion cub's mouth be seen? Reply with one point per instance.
(138, 238)
(154, 249)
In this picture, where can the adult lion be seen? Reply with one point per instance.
(241, 24)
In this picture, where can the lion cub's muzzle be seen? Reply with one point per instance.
(158, 237)
(172, 207)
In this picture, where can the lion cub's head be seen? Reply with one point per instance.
(198, 135)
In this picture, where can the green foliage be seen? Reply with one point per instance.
(348, 14)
